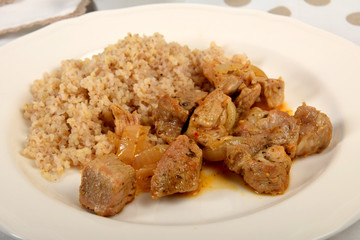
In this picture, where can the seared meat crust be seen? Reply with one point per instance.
(315, 130)
(278, 128)
(267, 171)
(178, 170)
(107, 185)
(247, 97)
(212, 119)
(169, 118)
(272, 91)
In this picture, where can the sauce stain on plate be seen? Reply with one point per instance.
(214, 176)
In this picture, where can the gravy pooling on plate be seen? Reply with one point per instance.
(160, 109)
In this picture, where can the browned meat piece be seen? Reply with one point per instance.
(178, 170)
(315, 130)
(228, 76)
(236, 154)
(169, 118)
(277, 127)
(253, 144)
(252, 117)
(212, 119)
(272, 91)
(107, 185)
(266, 172)
(123, 118)
(189, 99)
(247, 97)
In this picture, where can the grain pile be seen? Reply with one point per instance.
(70, 110)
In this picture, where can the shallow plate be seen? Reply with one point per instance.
(318, 67)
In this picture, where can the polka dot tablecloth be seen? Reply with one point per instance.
(340, 17)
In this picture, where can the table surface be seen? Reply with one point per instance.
(341, 17)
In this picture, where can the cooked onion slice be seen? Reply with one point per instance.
(149, 157)
(133, 140)
(145, 164)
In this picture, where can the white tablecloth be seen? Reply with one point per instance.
(337, 16)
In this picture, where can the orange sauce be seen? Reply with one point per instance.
(214, 176)
(283, 107)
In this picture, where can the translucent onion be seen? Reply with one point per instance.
(215, 155)
(231, 116)
(143, 142)
(145, 164)
(143, 179)
(131, 136)
(219, 153)
(225, 68)
(150, 157)
(258, 72)
(113, 139)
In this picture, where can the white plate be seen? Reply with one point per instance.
(318, 67)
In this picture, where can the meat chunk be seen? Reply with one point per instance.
(272, 91)
(123, 118)
(276, 127)
(267, 171)
(189, 99)
(315, 130)
(212, 119)
(107, 185)
(178, 170)
(262, 153)
(169, 118)
(253, 144)
(228, 76)
(247, 97)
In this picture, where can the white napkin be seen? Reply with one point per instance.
(27, 13)
(3, 2)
